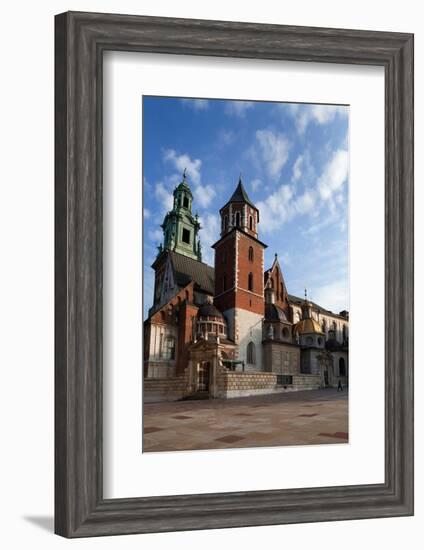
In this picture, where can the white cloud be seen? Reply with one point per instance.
(333, 296)
(316, 227)
(196, 104)
(226, 137)
(203, 194)
(238, 108)
(184, 162)
(256, 184)
(316, 114)
(297, 168)
(209, 234)
(306, 202)
(164, 196)
(276, 209)
(274, 149)
(285, 259)
(156, 235)
(334, 175)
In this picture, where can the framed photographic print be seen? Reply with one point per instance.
(234, 274)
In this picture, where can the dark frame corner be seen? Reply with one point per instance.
(80, 40)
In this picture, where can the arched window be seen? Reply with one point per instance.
(250, 282)
(250, 223)
(225, 223)
(251, 253)
(282, 291)
(186, 202)
(344, 334)
(162, 315)
(286, 332)
(342, 367)
(251, 353)
(272, 284)
(169, 348)
(237, 219)
(187, 295)
(324, 326)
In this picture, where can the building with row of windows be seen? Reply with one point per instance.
(233, 329)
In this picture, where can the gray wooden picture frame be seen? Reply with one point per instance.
(80, 40)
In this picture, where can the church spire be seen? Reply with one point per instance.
(180, 226)
(239, 212)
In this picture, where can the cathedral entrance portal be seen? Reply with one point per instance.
(203, 376)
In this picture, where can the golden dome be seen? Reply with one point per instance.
(307, 326)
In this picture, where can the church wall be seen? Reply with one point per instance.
(337, 355)
(296, 313)
(246, 327)
(225, 260)
(278, 285)
(281, 358)
(242, 384)
(186, 318)
(249, 300)
(309, 362)
(157, 366)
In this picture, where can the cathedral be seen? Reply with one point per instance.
(232, 330)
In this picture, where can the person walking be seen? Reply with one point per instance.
(340, 387)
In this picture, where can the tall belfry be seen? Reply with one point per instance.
(239, 268)
(180, 227)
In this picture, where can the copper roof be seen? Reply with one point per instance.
(307, 326)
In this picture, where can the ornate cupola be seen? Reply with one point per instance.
(307, 330)
(306, 307)
(180, 227)
(239, 212)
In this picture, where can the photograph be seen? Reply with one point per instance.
(245, 273)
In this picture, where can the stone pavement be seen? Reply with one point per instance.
(297, 418)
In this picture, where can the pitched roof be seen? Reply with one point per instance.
(299, 301)
(186, 270)
(240, 195)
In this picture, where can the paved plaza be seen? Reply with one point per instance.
(297, 418)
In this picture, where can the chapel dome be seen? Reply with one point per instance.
(209, 310)
(275, 313)
(307, 326)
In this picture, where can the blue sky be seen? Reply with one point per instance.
(293, 159)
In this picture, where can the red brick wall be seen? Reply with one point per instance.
(280, 291)
(225, 255)
(167, 315)
(244, 298)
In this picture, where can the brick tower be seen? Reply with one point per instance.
(239, 268)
